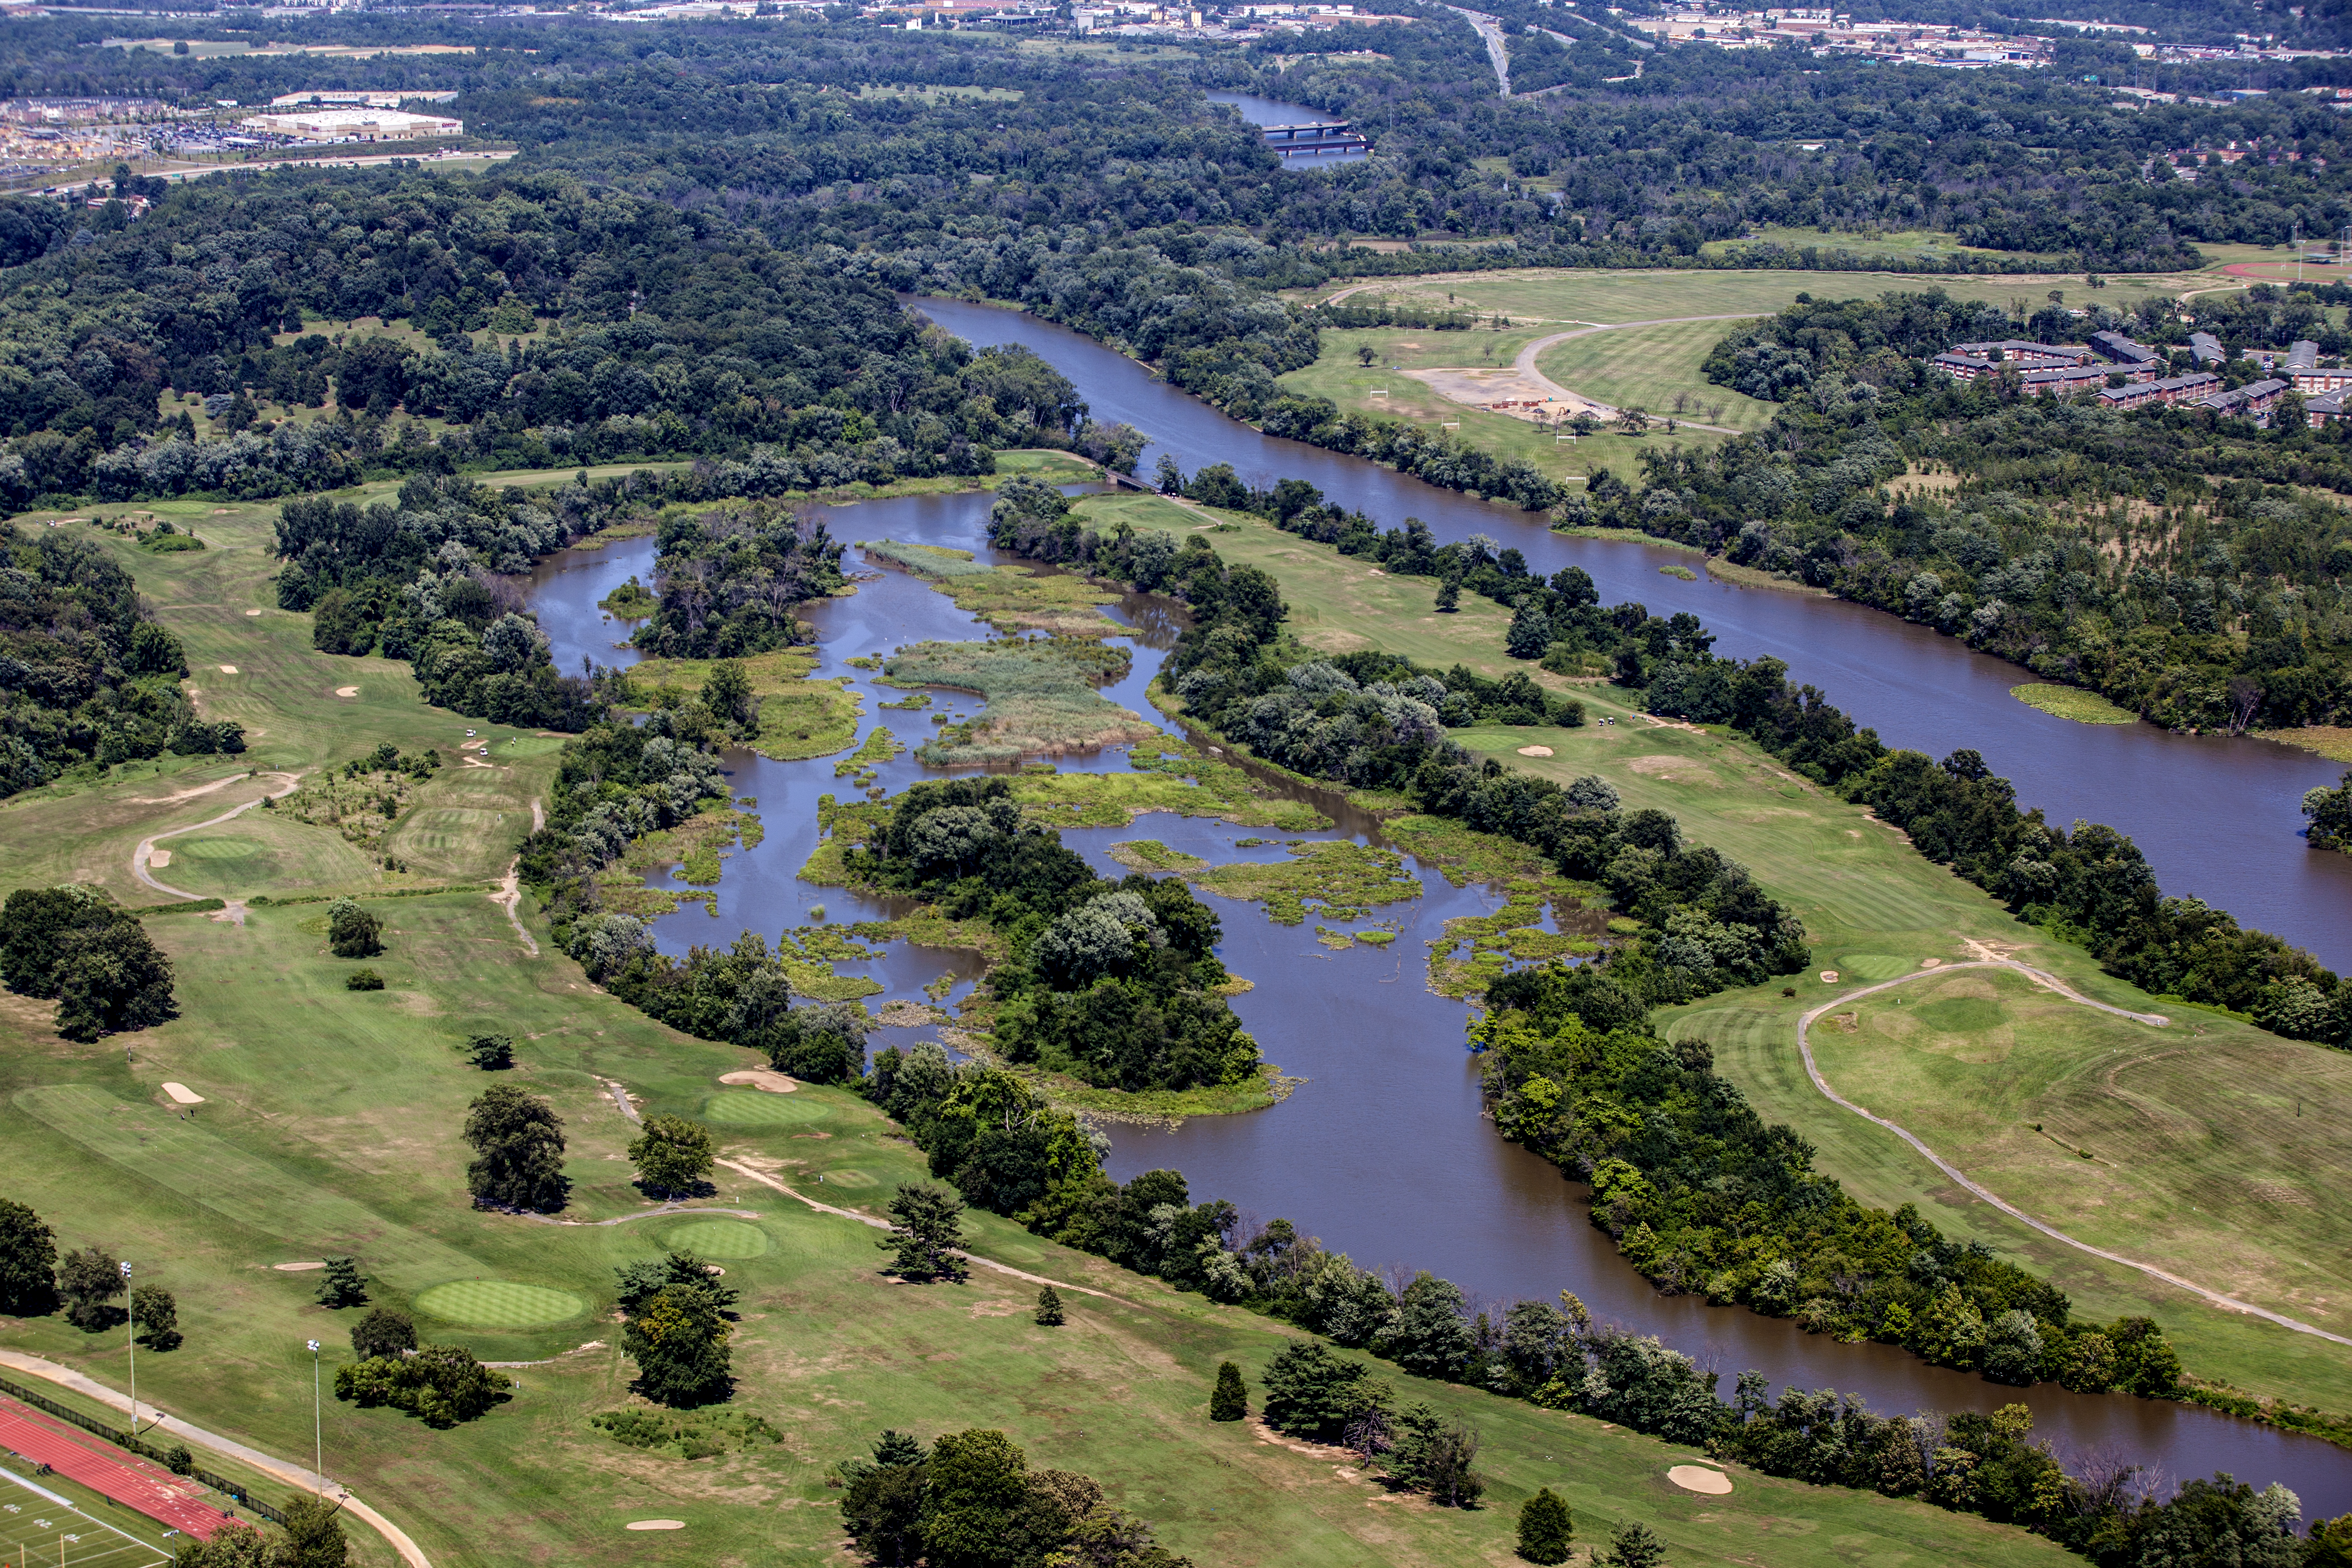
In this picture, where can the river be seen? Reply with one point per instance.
(1382, 1153)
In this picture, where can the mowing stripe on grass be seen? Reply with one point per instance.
(738, 1108)
(720, 1239)
(498, 1304)
(185, 1160)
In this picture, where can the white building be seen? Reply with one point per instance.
(354, 125)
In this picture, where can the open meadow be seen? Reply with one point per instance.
(2215, 1145)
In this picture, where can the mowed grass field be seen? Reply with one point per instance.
(331, 1123)
(2216, 1146)
(1644, 365)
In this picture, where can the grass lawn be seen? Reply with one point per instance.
(2183, 1178)
(340, 1134)
(1650, 367)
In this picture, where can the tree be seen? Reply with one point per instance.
(882, 1508)
(1437, 1455)
(673, 1154)
(520, 1141)
(440, 1385)
(928, 1234)
(1530, 632)
(157, 1313)
(1231, 1400)
(1545, 1528)
(1168, 478)
(1364, 355)
(29, 1260)
(384, 1332)
(1637, 1546)
(1049, 1308)
(352, 931)
(1310, 1392)
(342, 1285)
(1432, 1336)
(491, 1053)
(678, 1340)
(112, 979)
(1449, 594)
(1635, 421)
(728, 695)
(90, 1278)
(979, 1481)
(234, 1545)
(314, 1537)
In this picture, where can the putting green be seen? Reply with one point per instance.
(527, 746)
(230, 848)
(717, 1239)
(498, 1304)
(1872, 965)
(745, 1107)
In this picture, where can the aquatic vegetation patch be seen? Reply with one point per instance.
(631, 601)
(1009, 598)
(809, 953)
(1476, 951)
(1342, 880)
(1040, 693)
(2071, 702)
(799, 718)
(879, 747)
(1151, 855)
(1169, 776)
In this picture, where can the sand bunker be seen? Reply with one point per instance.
(1931, 963)
(159, 859)
(253, 612)
(762, 1079)
(298, 1268)
(654, 1524)
(229, 669)
(1829, 976)
(182, 1093)
(347, 691)
(1535, 750)
(1699, 1478)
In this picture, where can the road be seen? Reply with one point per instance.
(1497, 55)
(2052, 982)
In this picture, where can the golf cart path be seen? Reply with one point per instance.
(2048, 981)
(766, 1180)
(146, 850)
(293, 1475)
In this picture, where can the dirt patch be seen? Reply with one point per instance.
(1503, 390)
(762, 1080)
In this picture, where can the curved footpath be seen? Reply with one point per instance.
(1526, 364)
(2050, 982)
(294, 1475)
(146, 850)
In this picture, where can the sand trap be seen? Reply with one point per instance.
(298, 1268)
(1535, 750)
(184, 1094)
(347, 691)
(1931, 963)
(253, 612)
(680, 1524)
(159, 859)
(762, 1079)
(1699, 1478)
(1829, 976)
(229, 669)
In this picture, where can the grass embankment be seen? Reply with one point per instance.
(2218, 1144)
(2071, 702)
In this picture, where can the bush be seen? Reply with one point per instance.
(352, 931)
(440, 1385)
(362, 980)
(383, 1332)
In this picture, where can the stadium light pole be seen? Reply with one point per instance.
(131, 1350)
(317, 1428)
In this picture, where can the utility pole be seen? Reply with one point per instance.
(318, 1427)
(131, 1350)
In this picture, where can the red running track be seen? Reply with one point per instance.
(110, 1471)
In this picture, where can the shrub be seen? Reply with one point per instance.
(440, 1385)
(362, 980)
(1545, 1528)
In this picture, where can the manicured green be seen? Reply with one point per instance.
(499, 1304)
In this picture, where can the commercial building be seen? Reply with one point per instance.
(354, 125)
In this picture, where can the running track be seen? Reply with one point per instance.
(122, 1476)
